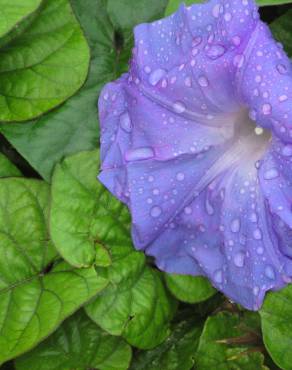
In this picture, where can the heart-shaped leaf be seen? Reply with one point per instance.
(37, 290)
(44, 66)
(78, 344)
(84, 216)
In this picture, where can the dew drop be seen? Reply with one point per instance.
(239, 259)
(218, 276)
(209, 208)
(282, 98)
(267, 109)
(215, 51)
(256, 290)
(156, 76)
(257, 234)
(269, 272)
(180, 176)
(235, 225)
(188, 210)
(196, 41)
(125, 122)
(227, 17)
(271, 174)
(155, 211)
(203, 81)
(260, 250)
(282, 69)
(216, 10)
(236, 40)
(188, 81)
(139, 154)
(179, 107)
(238, 60)
(287, 151)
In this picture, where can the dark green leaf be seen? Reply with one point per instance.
(44, 66)
(189, 289)
(228, 343)
(37, 291)
(176, 353)
(78, 345)
(282, 30)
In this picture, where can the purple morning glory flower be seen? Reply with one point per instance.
(197, 141)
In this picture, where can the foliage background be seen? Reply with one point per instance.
(74, 294)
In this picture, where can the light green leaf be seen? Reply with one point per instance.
(276, 318)
(74, 126)
(174, 4)
(227, 343)
(44, 66)
(7, 169)
(282, 30)
(37, 290)
(85, 215)
(176, 353)
(190, 289)
(78, 344)
(14, 12)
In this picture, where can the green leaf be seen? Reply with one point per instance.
(136, 307)
(276, 318)
(7, 169)
(14, 12)
(282, 31)
(83, 216)
(78, 344)
(190, 289)
(229, 342)
(125, 14)
(176, 353)
(174, 4)
(74, 126)
(44, 66)
(37, 290)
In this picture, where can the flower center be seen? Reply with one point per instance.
(254, 139)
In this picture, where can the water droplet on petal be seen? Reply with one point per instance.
(216, 10)
(196, 41)
(179, 107)
(238, 60)
(139, 154)
(260, 250)
(156, 76)
(271, 174)
(235, 225)
(256, 290)
(209, 208)
(188, 210)
(257, 234)
(215, 51)
(125, 122)
(218, 276)
(227, 17)
(239, 259)
(203, 81)
(282, 69)
(282, 98)
(180, 176)
(287, 151)
(236, 40)
(269, 272)
(155, 211)
(267, 109)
